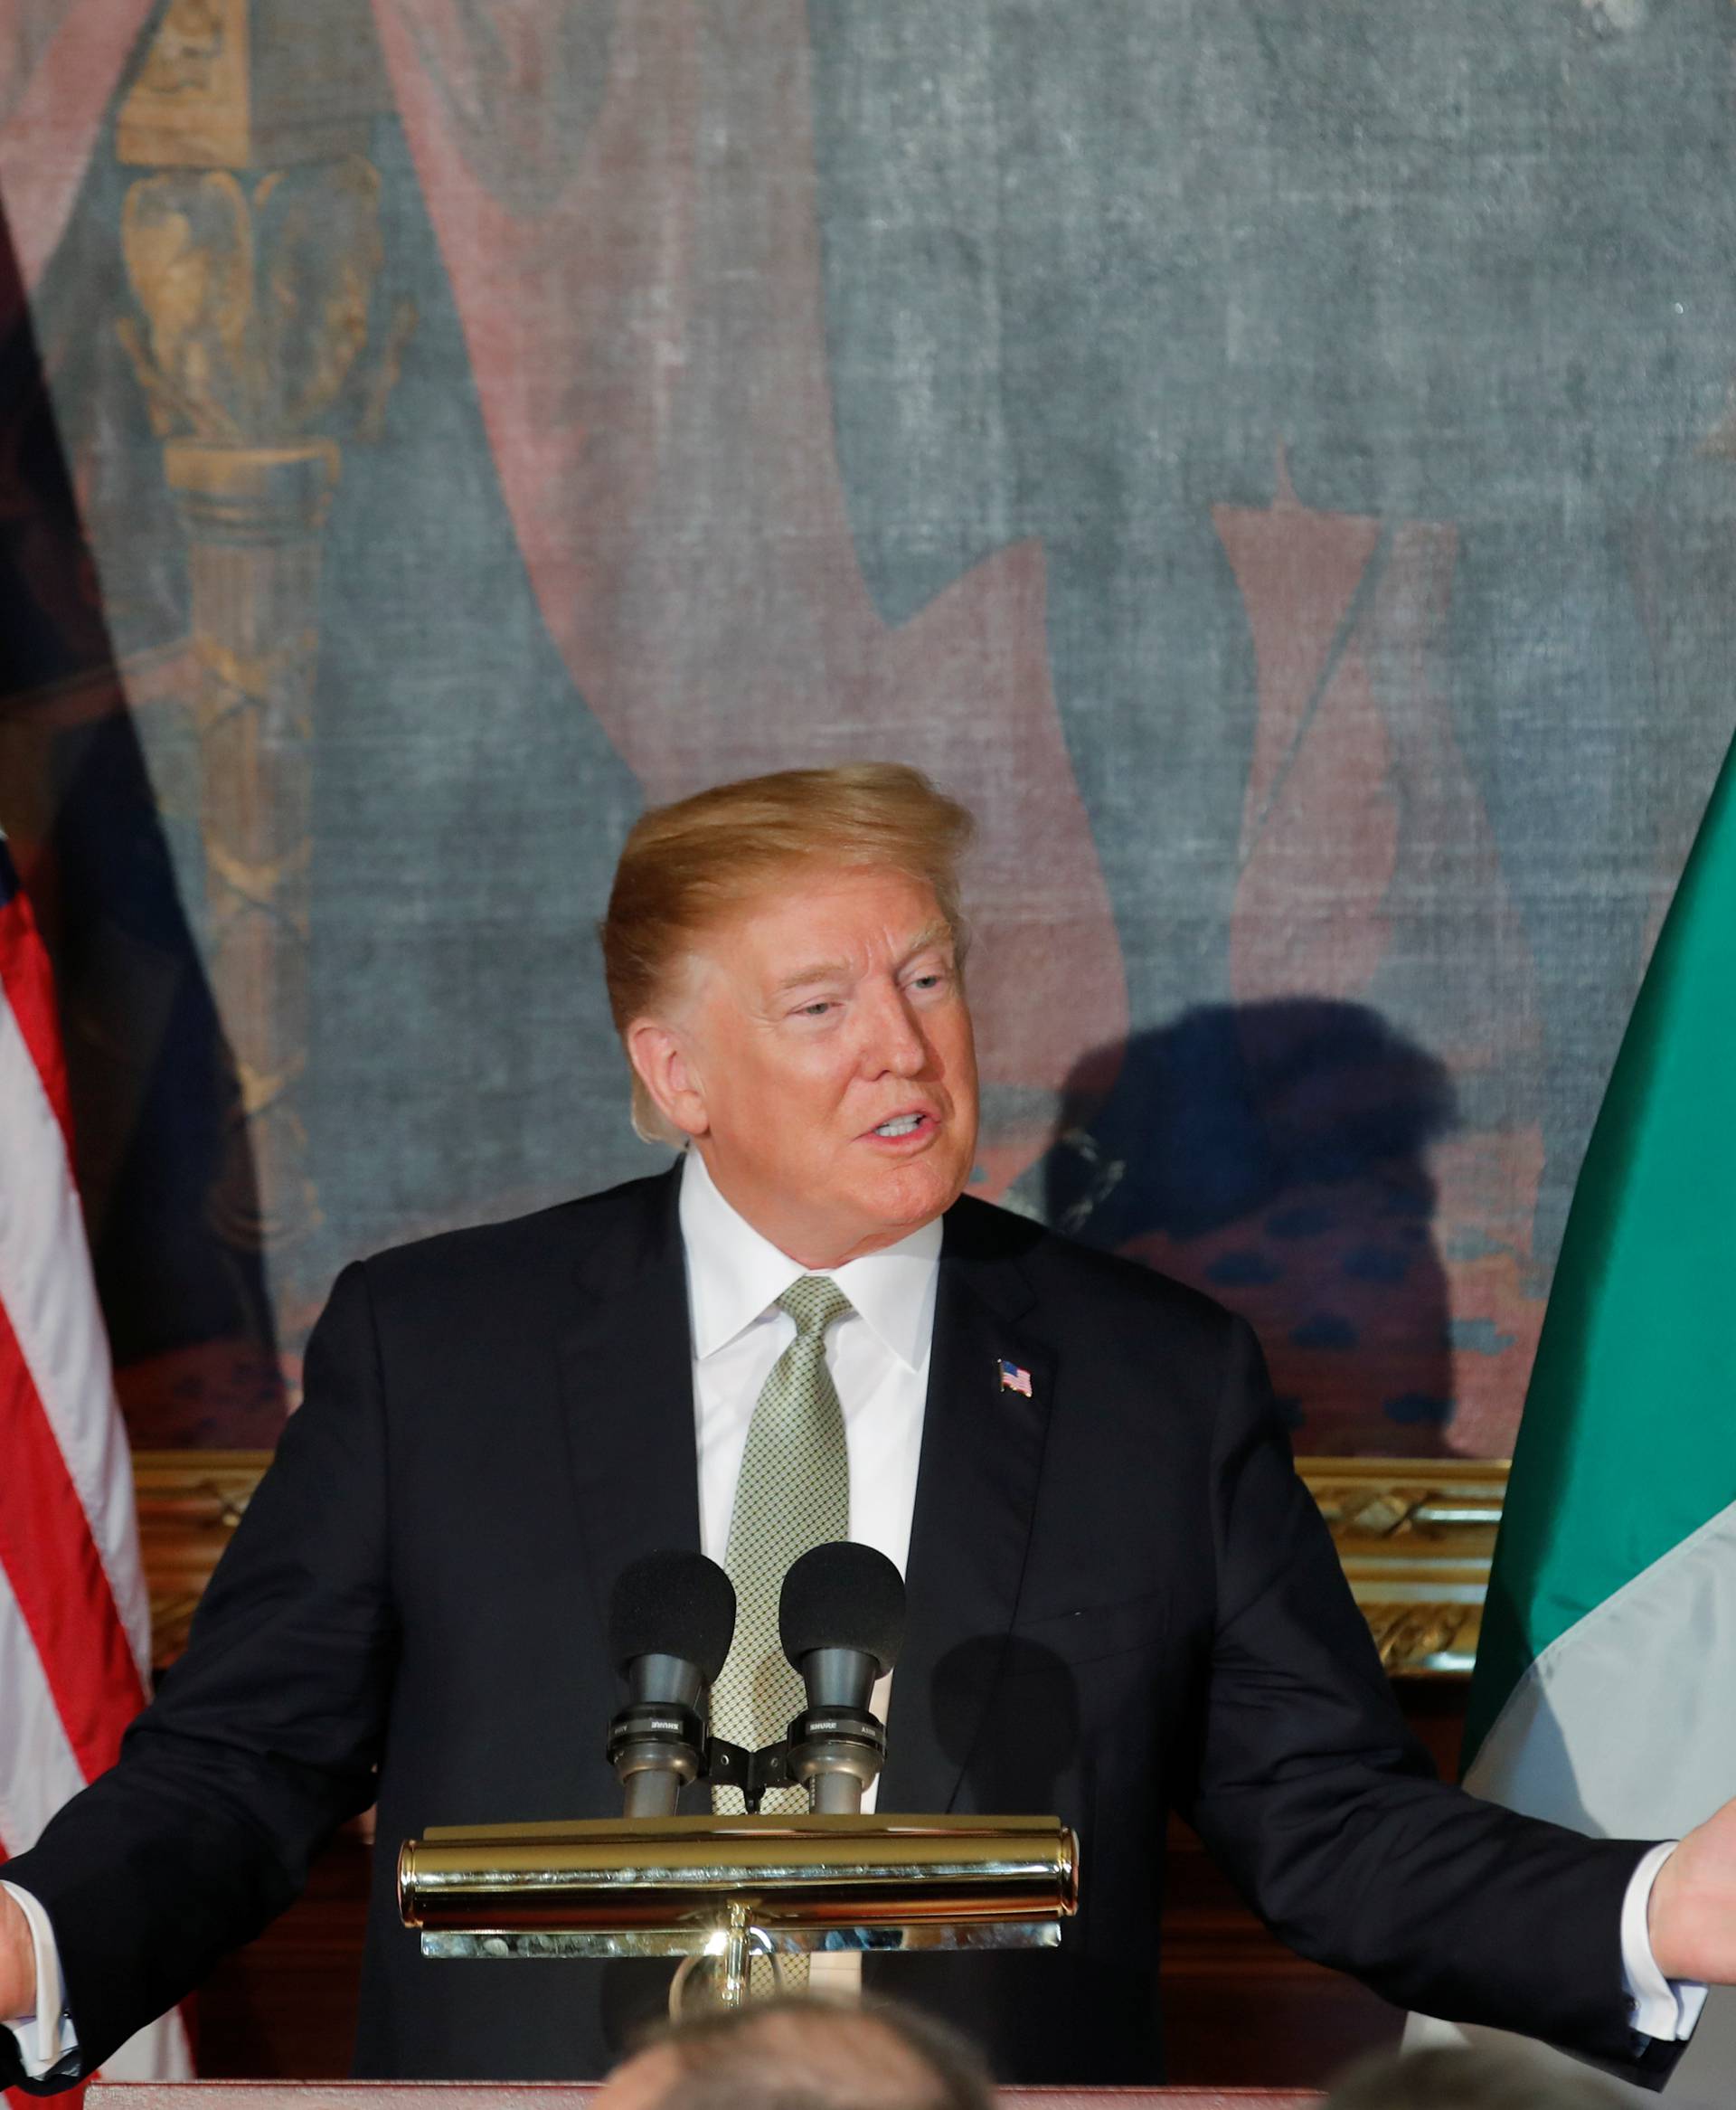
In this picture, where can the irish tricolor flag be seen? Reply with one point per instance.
(1605, 1690)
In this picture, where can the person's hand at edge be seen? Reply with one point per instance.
(17, 1961)
(1692, 1917)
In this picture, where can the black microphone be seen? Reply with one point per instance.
(841, 1619)
(671, 1617)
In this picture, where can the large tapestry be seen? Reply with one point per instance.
(1275, 462)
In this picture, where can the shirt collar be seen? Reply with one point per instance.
(734, 1274)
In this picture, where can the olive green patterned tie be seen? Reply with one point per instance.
(793, 1493)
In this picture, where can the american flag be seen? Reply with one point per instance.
(1014, 1379)
(74, 1616)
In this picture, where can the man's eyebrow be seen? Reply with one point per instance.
(822, 970)
(938, 933)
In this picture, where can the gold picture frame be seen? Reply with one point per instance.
(1415, 1535)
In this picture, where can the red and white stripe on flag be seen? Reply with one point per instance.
(74, 1616)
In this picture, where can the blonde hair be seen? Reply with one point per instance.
(686, 866)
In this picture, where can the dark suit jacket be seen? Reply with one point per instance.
(1121, 1600)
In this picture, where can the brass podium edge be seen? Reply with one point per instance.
(1415, 1535)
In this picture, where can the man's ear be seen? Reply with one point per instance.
(660, 1062)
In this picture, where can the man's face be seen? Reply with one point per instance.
(827, 1008)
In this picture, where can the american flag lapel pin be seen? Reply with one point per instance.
(1014, 1379)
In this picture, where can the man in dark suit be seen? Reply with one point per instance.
(1121, 1599)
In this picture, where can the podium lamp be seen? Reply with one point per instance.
(718, 1891)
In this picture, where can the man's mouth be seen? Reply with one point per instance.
(901, 1125)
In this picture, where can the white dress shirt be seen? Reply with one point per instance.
(878, 1356)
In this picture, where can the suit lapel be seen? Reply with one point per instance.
(627, 1392)
(977, 1490)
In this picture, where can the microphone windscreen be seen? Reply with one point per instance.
(671, 1604)
(843, 1596)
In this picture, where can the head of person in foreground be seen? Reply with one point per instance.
(803, 2054)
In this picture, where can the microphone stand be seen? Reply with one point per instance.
(726, 1888)
(651, 1883)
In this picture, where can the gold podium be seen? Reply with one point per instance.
(729, 1888)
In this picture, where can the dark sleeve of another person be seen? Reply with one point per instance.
(261, 1740)
(1326, 1812)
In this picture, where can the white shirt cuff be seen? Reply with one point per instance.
(1664, 2007)
(44, 2036)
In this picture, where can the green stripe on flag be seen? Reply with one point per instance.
(1628, 1441)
